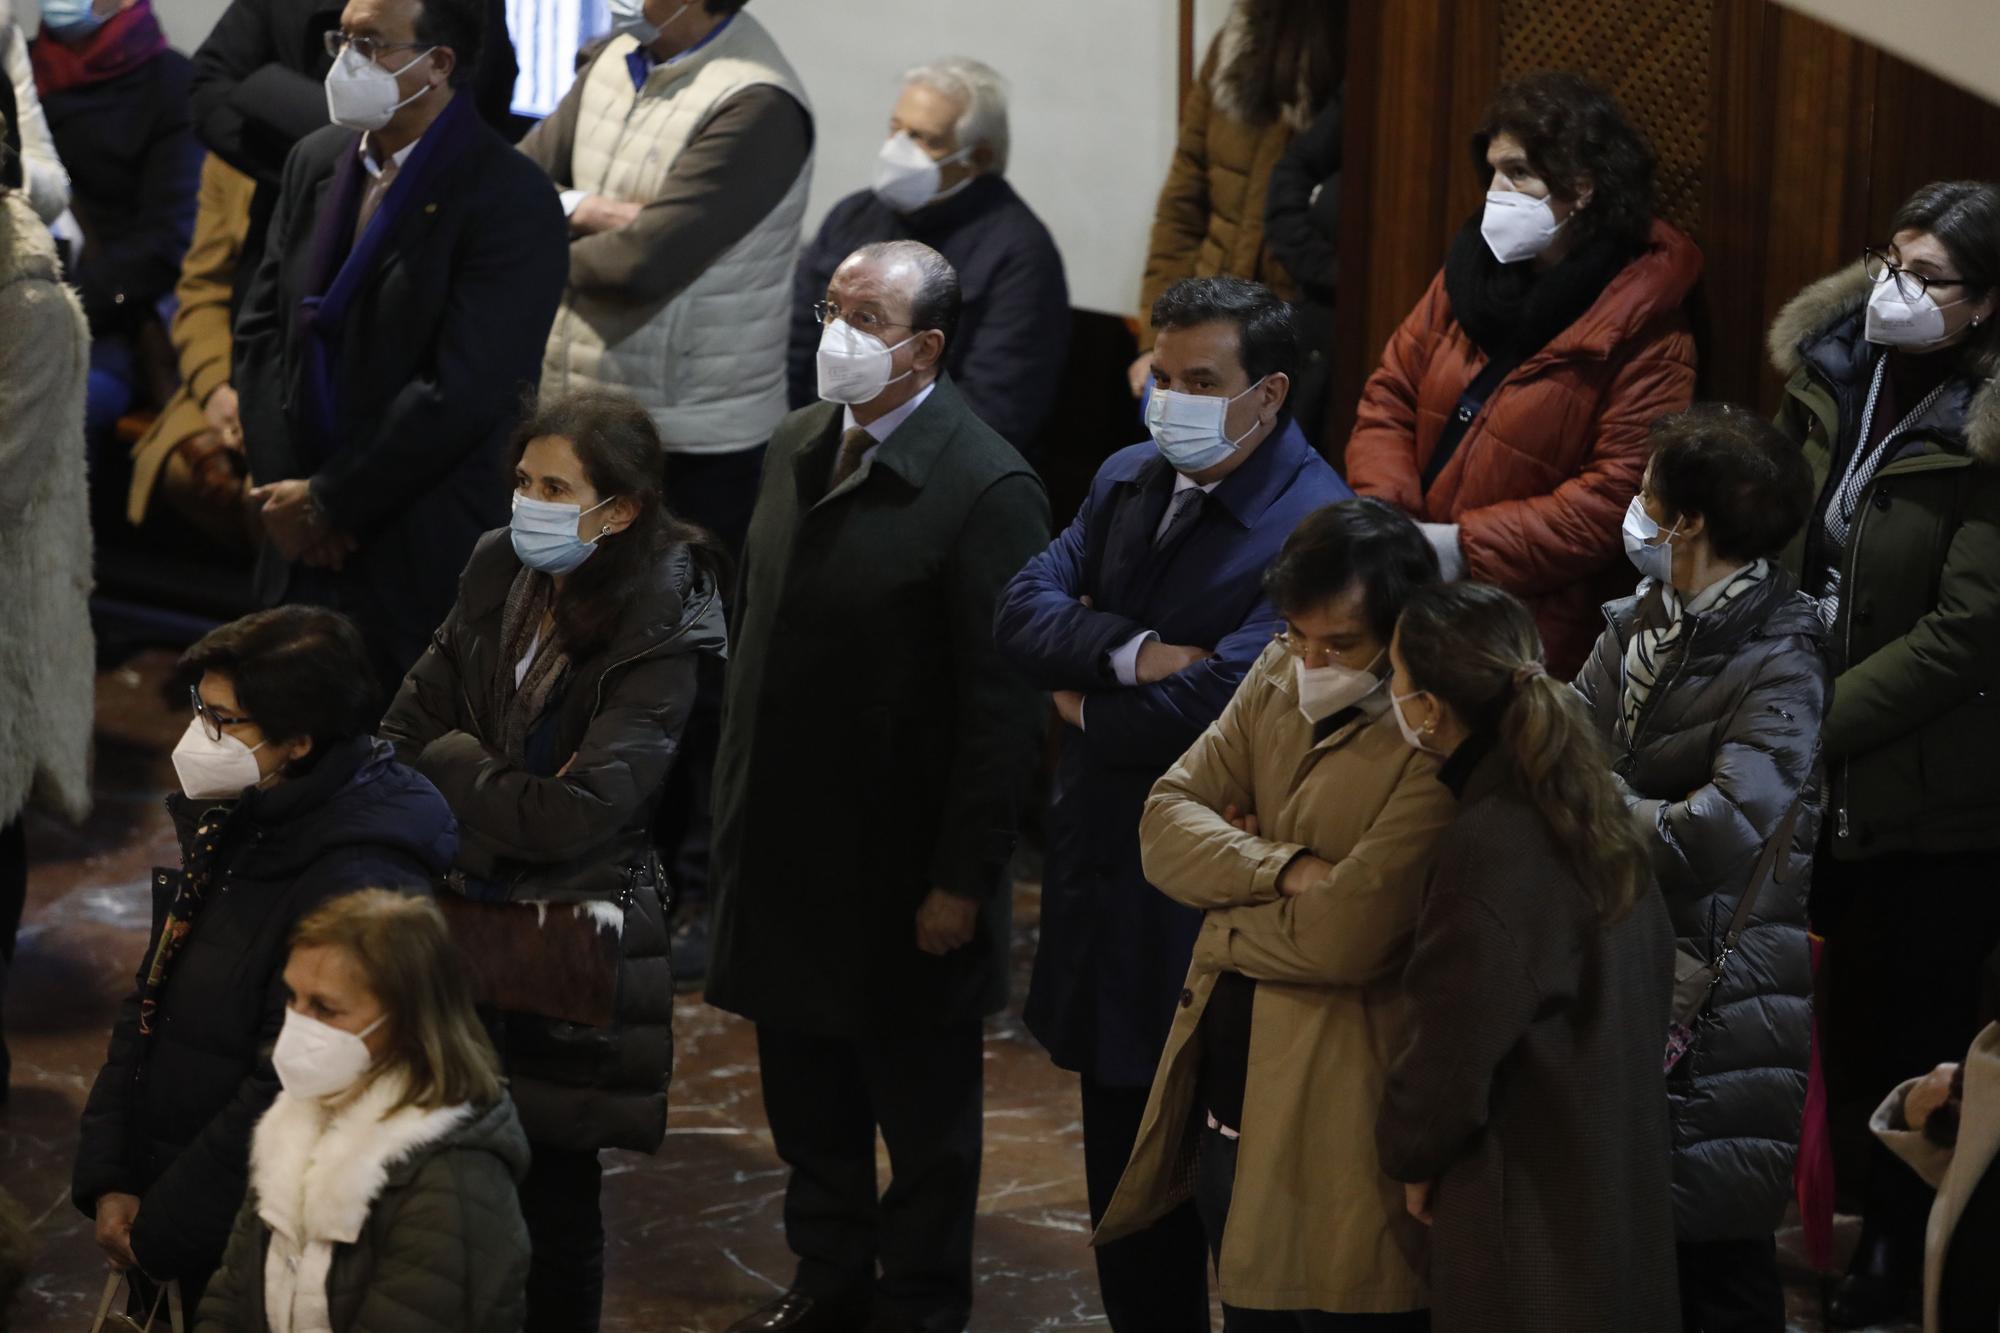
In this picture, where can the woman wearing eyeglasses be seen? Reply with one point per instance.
(286, 800)
(1890, 364)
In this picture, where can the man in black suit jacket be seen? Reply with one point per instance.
(258, 91)
(395, 322)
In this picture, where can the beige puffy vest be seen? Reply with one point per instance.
(709, 364)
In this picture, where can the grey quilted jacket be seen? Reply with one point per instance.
(444, 1249)
(1728, 739)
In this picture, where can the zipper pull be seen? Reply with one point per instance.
(1841, 820)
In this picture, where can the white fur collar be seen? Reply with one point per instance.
(317, 1174)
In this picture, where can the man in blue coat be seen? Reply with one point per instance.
(1141, 619)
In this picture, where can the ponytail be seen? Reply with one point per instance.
(1476, 648)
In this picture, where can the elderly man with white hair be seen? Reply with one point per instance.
(940, 178)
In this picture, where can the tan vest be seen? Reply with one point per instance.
(708, 364)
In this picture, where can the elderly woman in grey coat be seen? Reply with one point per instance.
(1710, 685)
(46, 659)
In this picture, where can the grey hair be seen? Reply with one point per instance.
(936, 302)
(979, 88)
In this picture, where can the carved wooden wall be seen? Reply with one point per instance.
(1784, 146)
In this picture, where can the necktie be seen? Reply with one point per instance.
(1181, 516)
(372, 197)
(853, 444)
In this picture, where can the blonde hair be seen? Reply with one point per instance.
(406, 956)
(1476, 648)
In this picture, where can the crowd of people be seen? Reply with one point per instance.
(1432, 845)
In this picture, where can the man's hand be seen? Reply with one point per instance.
(595, 213)
(115, 1215)
(1241, 822)
(1306, 871)
(1069, 707)
(1417, 1198)
(1927, 1095)
(1159, 660)
(291, 522)
(1139, 372)
(945, 922)
(223, 417)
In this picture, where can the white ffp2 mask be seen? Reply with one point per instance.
(215, 770)
(361, 95)
(1324, 691)
(1517, 226)
(906, 177)
(316, 1059)
(854, 367)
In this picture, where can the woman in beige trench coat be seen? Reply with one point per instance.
(1302, 824)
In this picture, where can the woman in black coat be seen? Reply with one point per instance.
(548, 711)
(1526, 1114)
(1710, 685)
(286, 801)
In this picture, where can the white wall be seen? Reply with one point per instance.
(1957, 40)
(1093, 107)
(1094, 84)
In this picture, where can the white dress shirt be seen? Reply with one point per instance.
(883, 426)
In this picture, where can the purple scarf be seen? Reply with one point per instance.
(341, 265)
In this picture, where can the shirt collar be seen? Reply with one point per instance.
(399, 157)
(885, 425)
(642, 62)
(1183, 482)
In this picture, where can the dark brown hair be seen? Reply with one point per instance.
(1364, 541)
(1732, 467)
(298, 671)
(1575, 135)
(615, 440)
(406, 956)
(1965, 217)
(1476, 648)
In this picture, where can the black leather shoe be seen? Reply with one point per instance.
(797, 1312)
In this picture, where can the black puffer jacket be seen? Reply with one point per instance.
(170, 1116)
(581, 837)
(1727, 741)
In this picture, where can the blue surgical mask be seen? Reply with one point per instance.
(70, 20)
(545, 534)
(1650, 553)
(1189, 428)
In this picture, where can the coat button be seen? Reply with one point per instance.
(1187, 998)
(1881, 499)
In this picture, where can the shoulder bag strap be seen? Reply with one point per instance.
(1767, 864)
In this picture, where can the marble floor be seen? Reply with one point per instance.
(695, 1231)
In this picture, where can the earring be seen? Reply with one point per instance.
(604, 531)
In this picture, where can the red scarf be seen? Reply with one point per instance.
(120, 45)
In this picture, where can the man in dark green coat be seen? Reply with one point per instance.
(875, 752)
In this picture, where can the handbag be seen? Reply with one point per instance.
(1696, 977)
(554, 960)
(167, 1295)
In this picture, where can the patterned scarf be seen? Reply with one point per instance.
(1661, 615)
(1862, 466)
(190, 892)
(515, 709)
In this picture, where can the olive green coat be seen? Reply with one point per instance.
(875, 745)
(1915, 719)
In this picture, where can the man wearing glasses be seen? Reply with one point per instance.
(257, 91)
(413, 268)
(1142, 618)
(874, 750)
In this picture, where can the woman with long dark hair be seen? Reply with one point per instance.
(1509, 413)
(1526, 1112)
(1893, 399)
(548, 711)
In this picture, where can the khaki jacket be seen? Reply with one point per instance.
(1953, 1172)
(1315, 1224)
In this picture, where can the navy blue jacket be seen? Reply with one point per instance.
(170, 1115)
(1013, 337)
(1114, 950)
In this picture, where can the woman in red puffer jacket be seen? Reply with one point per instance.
(1509, 415)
